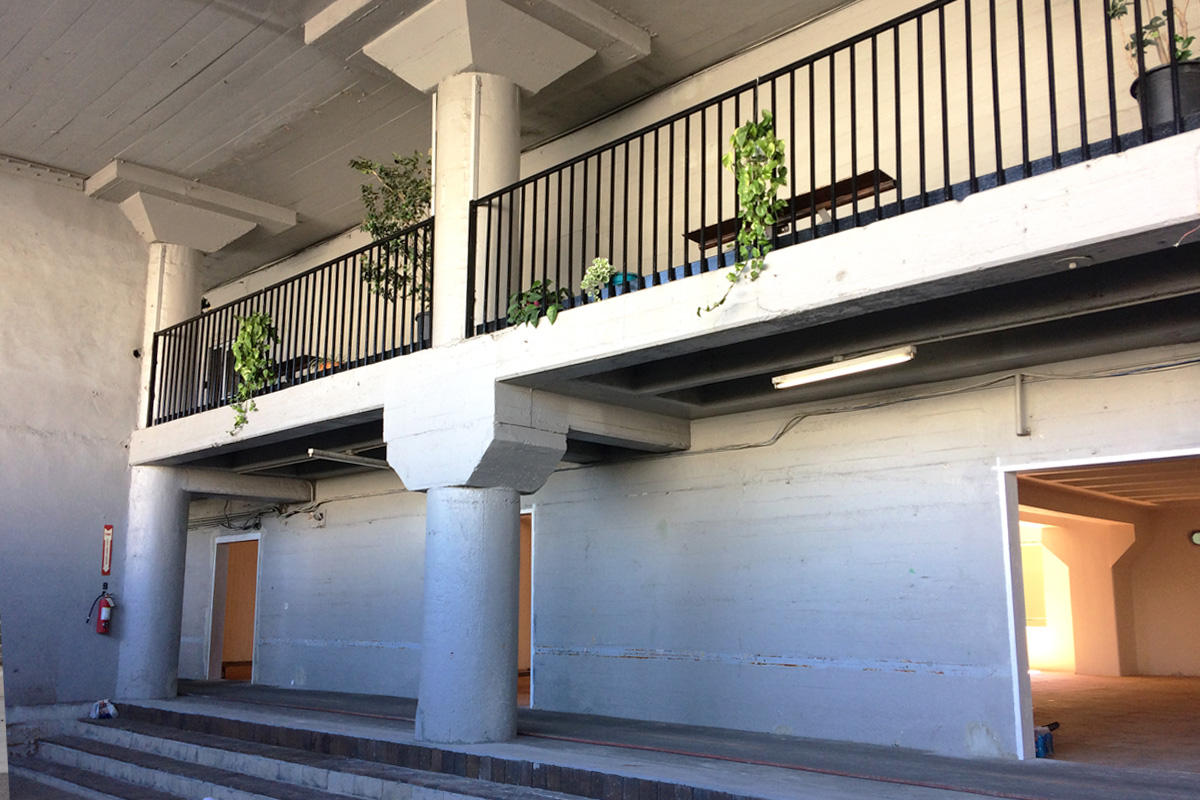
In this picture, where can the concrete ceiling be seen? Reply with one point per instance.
(227, 93)
(1153, 483)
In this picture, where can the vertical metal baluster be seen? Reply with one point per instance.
(1081, 84)
(922, 166)
(349, 273)
(583, 215)
(720, 176)
(1055, 155)
(427, 251)
(558, 237)
(546, 234)
(875, 119)
(151, 398)
(812, 150)
(521, 283)
(625, 232)
(1173, 67)
(641, 212)
(599, 201)
(791, 145)
(944, 78)
(670, 204)
(853, 136)
(833, 219)
(612, 205)
(995, 54)
(571, 262)
(687, 196)
(1114, 133)
(704, 192)
(654, 214)
(504, 277)
(899, 177)
(1026, 169)
(968, 33)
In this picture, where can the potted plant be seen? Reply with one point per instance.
(540, 299)
(396, 198)
(1153, 90)
(599, 275)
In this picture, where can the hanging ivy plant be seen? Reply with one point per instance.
(756, 160)
(397, 198)
(252, 362)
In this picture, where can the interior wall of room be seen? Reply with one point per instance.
(1166, 599)
(73, 272)
(849, 582)
(339, 588)
(1052, 644)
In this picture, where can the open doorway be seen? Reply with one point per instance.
(525, 624)
(235, 593)
(1112, 618)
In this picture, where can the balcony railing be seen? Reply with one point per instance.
(952, 98)
(363, 307)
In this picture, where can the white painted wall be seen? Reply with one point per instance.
(73, 274)
(848, 582)
(339, 599)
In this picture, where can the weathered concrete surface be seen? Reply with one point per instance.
(73, 275)
(469, 641)
(148, 616)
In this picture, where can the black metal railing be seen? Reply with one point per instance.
(952, 98)
(363, 307)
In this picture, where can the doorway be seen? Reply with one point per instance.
(1111, 618)
(235, 593)
(525, 624)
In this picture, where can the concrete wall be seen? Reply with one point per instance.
(73, 272)
(1166, 600)
(849, 582)
(339, 591)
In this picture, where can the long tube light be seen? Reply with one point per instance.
(849, 366)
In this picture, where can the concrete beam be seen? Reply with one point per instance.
(258, 487)
(159, 220)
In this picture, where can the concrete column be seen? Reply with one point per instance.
(172, 295)
(468, 691)
(149, 608)
(478, 151)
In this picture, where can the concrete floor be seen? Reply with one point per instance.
(1129, 722)
(748, 764)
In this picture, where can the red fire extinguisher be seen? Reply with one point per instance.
(104, 602)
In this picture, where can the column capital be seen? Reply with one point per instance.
(169, 209)
(465, 429)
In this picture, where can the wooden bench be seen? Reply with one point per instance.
(820, 200)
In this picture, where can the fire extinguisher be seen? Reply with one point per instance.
(104, 601)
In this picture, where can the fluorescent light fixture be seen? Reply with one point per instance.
(848, 366)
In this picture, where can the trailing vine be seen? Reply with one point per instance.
(252, 362)
(397, 198)
(756, 160)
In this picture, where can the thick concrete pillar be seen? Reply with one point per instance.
(149, 608)
(172, 295)
(478, 151)
(468, 691)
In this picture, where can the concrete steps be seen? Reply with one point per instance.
(134, 759)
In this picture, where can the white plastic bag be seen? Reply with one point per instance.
(103, 709)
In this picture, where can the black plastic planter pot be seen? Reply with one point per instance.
(1157, 104)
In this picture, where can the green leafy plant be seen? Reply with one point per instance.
(756, 160)
(540, 299)
(597, 277)
(397, 198)
(1152, 35)
(252, 362)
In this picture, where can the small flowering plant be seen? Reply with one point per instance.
(597, 277)
(540, 299)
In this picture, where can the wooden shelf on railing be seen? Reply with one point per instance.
(802, 206)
